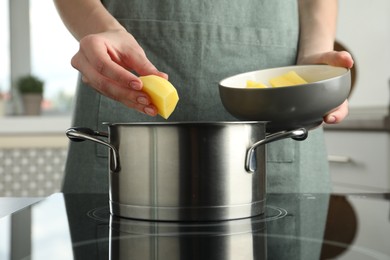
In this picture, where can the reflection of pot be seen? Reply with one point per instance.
(146, 240)
(186, 171)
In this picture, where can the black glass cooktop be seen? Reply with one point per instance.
(294, 226)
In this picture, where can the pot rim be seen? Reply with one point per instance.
(175, 123)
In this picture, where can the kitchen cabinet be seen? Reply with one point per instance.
(359, 160)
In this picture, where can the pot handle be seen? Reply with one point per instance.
(79, 134)
(250, 160)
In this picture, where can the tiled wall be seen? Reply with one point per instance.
(32, 172)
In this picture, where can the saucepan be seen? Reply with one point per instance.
(186, 171)
(287, 107)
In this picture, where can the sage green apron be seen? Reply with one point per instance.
(198, 43)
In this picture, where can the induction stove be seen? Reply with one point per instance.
(294, 226)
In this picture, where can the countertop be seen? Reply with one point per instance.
(34, 125)
(364, 119)
(9, 205)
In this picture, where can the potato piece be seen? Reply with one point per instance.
(162, 93)
(254, 84)
(280, 81)
(295, 78)
(289, 79)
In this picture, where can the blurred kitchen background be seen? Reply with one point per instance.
(33, 147)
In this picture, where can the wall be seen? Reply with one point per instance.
(31, 171)
(33, 152)
(364, 28)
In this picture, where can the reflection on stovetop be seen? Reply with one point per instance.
(294, 226)
(103, 214)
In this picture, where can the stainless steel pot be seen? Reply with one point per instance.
(186, 171)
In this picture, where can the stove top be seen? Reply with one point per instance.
(294, 226)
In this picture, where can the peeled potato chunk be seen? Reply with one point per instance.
(254, 84)
(289, 79)
(162, 93)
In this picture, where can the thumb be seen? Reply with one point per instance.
(143, 66)
(338, 58)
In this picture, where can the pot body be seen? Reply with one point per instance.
(186, 171)
(191, 171)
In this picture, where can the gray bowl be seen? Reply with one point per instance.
(290, 107)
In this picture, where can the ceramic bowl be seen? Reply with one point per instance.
(290, 107)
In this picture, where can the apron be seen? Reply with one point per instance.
(198, 43)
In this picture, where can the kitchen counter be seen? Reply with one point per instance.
(294, 226)
(34, 125)
(9, 205)
(364, 119)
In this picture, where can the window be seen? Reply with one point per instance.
(4, 48)
(52, 47)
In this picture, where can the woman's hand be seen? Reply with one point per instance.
(108, 54)
(106, 61)
(317, 20)
(335, 58)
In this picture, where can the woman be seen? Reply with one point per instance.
(196, 43)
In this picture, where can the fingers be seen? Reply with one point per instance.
(334, 58)
(93, 57)
(145, 67)
(338, 58)
(105, 65)
(133, 57)
(338, 114)
(138, 62)
(131, 98)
